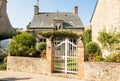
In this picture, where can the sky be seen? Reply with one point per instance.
(21, 12)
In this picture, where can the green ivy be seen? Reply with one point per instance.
(59, 34)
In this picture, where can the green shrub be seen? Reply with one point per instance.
(22, 45)
(113, 58)
(3, 66)
(35, 53)
(92, 50)
(41, 46)
(87, 36)
(86, 39)
(43, 52)
(2, 56)
(5, 60)
(98, 58)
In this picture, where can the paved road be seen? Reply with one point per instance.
(24, 76)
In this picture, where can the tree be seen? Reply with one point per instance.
(87, 36)
(86, 39)
(22, 45)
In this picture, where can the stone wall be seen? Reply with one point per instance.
(95, 71)
(92, 71)
(27, 64)
(106, 15)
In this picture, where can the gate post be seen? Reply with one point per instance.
(80, 59)
(50, 56)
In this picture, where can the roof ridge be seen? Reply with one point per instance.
(53, 12)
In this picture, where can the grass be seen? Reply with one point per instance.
(3, 66)
(71, 64)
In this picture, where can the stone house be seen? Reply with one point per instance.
(5, 26)
(51, 21)
(106, 15)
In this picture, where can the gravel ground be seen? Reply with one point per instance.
(24, 76)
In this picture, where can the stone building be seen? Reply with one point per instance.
(5, 26)
(50, 21)
(106, 15)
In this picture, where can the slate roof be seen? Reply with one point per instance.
(45, 20)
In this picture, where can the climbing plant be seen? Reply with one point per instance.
(108, 39)
(59, 34)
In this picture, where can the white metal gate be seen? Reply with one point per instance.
(65, 56)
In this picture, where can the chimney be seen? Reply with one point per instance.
(75, 10)
(36, 10)
(3, 4)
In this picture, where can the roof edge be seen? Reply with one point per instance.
(42, 28)
(53, 12)
(53, 28)
(94, 10)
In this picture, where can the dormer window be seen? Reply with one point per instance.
(58, 24)
(55, 27)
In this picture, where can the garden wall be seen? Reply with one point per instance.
(101, 71)
(92, 71)
(27, 64)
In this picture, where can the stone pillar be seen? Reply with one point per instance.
(80, 52)
(50, 56)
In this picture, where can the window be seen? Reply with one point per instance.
(42, 40)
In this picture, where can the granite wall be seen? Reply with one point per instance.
(92, 71)
(27, 64)
(101, 71)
